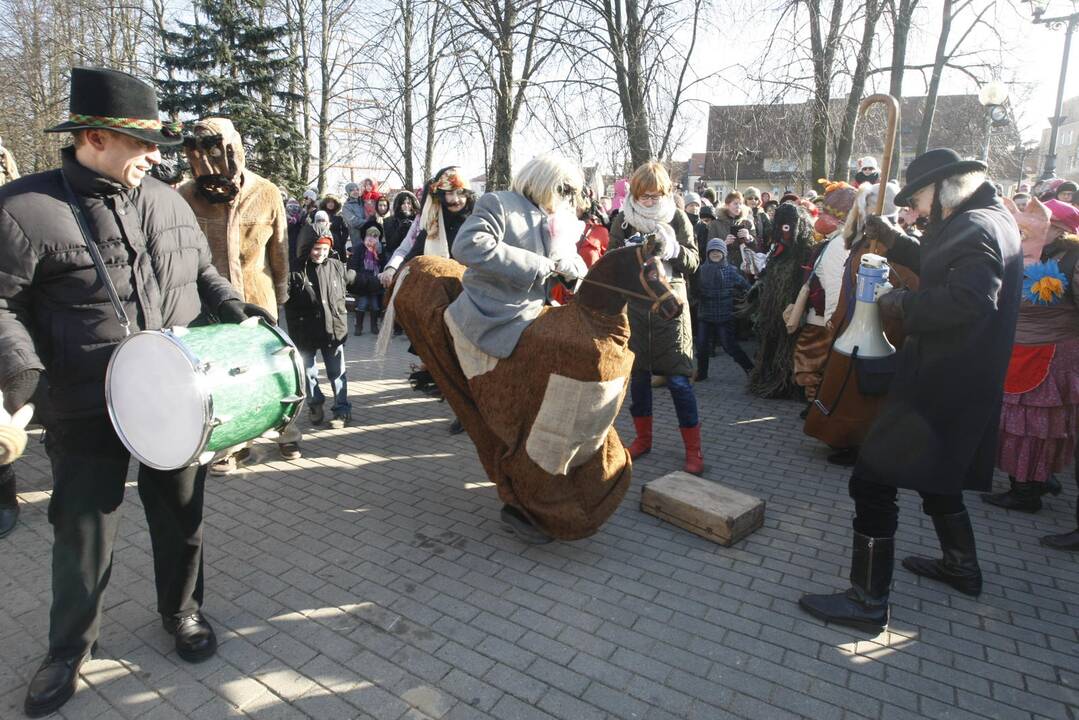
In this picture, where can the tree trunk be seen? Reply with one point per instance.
(934, 81)
(903, 15)
(407, 21)
(324, 99)
(305, 88)
(841, 166)
(823, 60)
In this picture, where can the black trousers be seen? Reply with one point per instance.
(89, 467)
(876, 512)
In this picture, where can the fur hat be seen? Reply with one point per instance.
(707, 212)
(752, 192)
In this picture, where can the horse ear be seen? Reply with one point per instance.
(1010, 204)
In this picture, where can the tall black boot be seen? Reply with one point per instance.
(359, 323)
(1024, 497)
(9, 503)
(865, 605)
(374, 321)
(959, 566)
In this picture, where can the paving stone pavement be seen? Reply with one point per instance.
(373, 579)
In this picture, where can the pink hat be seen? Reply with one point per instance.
(1064, 215)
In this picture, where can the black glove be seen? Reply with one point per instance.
(882, 230)
(236, 311)
(891, 304)
(21, 389)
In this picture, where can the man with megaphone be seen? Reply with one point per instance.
(937, 430)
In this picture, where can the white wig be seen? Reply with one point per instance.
(546, 177)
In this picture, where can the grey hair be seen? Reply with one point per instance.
(957, 189)
(542, 176)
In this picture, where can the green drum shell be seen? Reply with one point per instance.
(252, 383)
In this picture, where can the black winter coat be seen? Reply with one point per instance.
(937, 431)
(315, 310)
(55, 313)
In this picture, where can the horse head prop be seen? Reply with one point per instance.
(631, 274)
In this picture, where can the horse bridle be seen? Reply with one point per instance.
(647, 295)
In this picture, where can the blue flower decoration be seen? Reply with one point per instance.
(1044, 283)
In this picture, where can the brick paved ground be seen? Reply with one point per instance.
(372, 579)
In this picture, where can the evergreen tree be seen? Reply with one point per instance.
(227, 64)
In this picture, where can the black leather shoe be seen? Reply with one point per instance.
(1023, 497)
(844, 457)
(53, 684)
(958, 566)
(522, 527)
(8, 516)
(195, 639)
(1066, 541)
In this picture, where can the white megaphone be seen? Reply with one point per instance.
(864, 336)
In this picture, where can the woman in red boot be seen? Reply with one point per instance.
(663, 347)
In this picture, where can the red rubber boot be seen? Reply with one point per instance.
(643, 442)
(691, 438)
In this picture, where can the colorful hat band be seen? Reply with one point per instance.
(170, 128)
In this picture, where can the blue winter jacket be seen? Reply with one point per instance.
(718, 284)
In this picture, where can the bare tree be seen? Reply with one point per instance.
(506, 43)
(841, 164)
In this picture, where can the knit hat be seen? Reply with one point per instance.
(751, 192)
(867, 164)
(349, 187)
(707, 212)
(324, 240)
(310, 195)
(1065, 216)
(716, 244)
(691, 198)
(322, 216)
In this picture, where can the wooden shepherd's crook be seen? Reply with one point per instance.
(891, 106)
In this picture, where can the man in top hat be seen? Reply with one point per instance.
(937, 430)
(57, 320)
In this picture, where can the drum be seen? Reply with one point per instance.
(185, 395)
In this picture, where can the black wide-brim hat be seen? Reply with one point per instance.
(933, 166)
(114, 100)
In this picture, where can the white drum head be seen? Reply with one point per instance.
(155, 401)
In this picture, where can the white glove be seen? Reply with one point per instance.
(571, 267)
(386, 277)
(669, 248)
(12, 431)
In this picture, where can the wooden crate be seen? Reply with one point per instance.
(703, 507)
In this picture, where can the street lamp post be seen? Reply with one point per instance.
(992, 96)
(1038, 8)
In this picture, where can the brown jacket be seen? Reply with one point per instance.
(248, 236)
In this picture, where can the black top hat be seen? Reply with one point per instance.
(114, 100)
(933, 166)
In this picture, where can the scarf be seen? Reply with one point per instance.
(370, 261)
(648, 219)
(431, 221)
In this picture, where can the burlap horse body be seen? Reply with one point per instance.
(542, 419)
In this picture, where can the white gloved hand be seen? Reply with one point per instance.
(12, 431)
(571, 267)
(669, 248)
(386, 277)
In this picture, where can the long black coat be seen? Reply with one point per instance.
(937, 431)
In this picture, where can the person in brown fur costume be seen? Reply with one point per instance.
(245, 224)
(792, 235)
